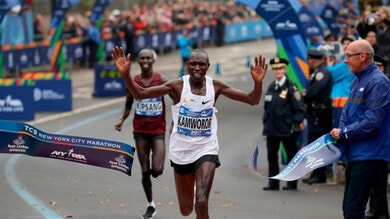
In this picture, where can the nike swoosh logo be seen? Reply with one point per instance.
(204, 102)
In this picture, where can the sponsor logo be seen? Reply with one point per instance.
(205, 101)
(68, 155)
(304, 18)
(313, 30)
(286, 26)
(18, 145)
(78, 52)
(113, 85)
(119, 163)
(313, 162)
(11, 105)
(37, 58)
(328, 14)
(47, 94)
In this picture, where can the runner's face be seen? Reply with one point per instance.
(198, 65)
(145, 60)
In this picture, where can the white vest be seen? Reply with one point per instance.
(194, 132)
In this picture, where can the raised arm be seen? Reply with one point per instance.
(258, 71)
(123, 63)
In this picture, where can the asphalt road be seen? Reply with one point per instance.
(42, 188)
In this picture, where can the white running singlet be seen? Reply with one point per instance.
(194, 132)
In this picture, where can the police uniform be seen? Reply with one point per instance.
(318, 108)
(381, 63)
(284, 110)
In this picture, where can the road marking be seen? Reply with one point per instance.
(18, 187)
(77, 111)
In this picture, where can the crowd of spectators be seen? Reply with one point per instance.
(169, 15)
(161, 17)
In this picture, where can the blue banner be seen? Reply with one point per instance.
(3, 10)
(16, 103)
(60, 10)
(308, 20)
(12, 29)
(22, 138)
(321, 152)
(53, 95)
(56, 55)
(108, 81)
(317, 7)
(52, 91)
(11, 3)
(255, 157)
(98, 9)
(247, 30)
(329, 16)
(288, 33)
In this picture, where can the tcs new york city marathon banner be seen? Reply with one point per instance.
(319, 153)
(22, 138)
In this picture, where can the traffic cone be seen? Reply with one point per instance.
(218, 69)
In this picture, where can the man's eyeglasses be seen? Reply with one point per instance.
(353, 54)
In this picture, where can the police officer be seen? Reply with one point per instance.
(318, 105)
(381, 63)
(284, 111)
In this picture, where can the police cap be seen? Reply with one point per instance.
(315, 54)
(278, 62)
(379, 61)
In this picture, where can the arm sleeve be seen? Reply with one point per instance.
(376, 105)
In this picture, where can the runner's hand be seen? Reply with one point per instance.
(121, 61)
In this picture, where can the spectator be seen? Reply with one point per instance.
(93, 40)
(139, 25)
(316, 41)
(371, 38)
(284, 110)
(383, 34)
(127, 28)
(330, 38)
(345, 41)
(69, 31)
(185, 45)
(318, 105)
(364, 128)
(220, 29)
(378, 206)
(38, 28)
(12, 33)
(366, 22)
